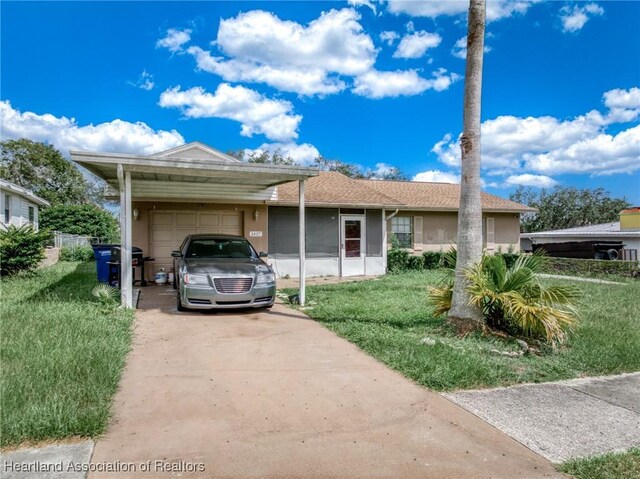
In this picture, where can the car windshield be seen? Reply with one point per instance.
(220, 248)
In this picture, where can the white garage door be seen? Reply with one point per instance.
(169, 228)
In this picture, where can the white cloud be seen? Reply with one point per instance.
(415, 45)
(303, 81)
(145, 81)
(459, 49)
(174, 40)
(256, 113)
(496, 9)
(260, 47)
(302, 154)
(389, 37)
(550, 145)
(603, 154)
(363, 3)
(624, 105)
(527, 179)
(65, 133)
(437, 176)
(574, 18)
(381, 84)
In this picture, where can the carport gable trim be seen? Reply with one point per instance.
(273, 174)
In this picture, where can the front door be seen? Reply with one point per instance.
(352, 245)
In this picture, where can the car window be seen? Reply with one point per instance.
(220, 248)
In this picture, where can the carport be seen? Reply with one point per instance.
(194, 173)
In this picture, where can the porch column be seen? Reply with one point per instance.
(126, 287)
(301, 237)
(384, 240)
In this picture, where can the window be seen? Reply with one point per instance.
(32, 215)
(401, 228)
(7, 209)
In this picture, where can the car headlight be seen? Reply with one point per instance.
(195, 279)
(265, 278)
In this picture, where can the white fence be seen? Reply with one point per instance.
(70, 241)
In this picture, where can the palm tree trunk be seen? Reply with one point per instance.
(470, 213)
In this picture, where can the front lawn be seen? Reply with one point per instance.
(624, 465)
(391, 319)
(62, 355)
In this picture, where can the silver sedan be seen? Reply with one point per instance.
(221, 272)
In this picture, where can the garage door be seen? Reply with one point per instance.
(169, 228)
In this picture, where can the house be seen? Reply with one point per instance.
(347, 236)
(310, 222)
(19, 206)
(627, 231)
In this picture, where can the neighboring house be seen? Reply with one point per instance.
(626, 230)
(197, 189)
(19, 206)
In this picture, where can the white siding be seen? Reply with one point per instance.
(19, 209)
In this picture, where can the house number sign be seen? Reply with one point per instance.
(255, 234)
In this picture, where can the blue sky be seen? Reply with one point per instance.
(375, 84)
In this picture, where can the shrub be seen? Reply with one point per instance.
(415, 263)
(512, 299)
(397, 260)
(85, 220)
(21, 249)
(432, 259)
(79, 253)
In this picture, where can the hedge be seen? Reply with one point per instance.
(399, 260)
(591, 267)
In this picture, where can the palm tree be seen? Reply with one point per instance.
(513, 299)
(470, 212)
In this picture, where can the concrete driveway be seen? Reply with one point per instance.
(274, 394)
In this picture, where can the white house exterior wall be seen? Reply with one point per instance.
(19, 209)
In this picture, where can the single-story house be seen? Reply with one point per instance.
(626, 230)
(19, 206)
(340, 225)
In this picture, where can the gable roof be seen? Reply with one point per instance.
(331, 188)
(19, 190)
(198, 151)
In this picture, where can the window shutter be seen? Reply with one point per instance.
(417, 233)
(490, 235)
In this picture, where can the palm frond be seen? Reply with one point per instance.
(440, 297)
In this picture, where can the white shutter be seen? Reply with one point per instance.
(490, 235)
(417, 233)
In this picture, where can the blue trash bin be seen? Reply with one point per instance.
(102, 253)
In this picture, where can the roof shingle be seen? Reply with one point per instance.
(333, 188)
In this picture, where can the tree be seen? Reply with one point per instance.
(347, 169)
(470, 213)
(567, 207)
(390, 174)
(42, 169)
(85, 220)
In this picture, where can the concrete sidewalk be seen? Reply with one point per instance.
(273, 394)
(566, 419)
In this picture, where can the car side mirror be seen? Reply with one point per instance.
(176, 254)
(262, 254)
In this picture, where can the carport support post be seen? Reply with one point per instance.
(301, 237)
(126, 287)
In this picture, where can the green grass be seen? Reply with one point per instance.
(389, 317)
(62, 355)
(624, 465)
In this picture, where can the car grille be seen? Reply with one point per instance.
(233, 285)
